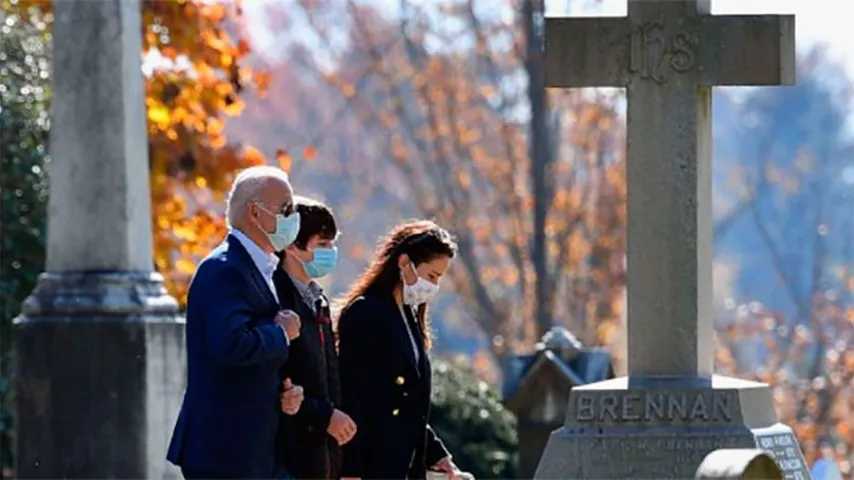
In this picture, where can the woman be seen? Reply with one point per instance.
(384, 340)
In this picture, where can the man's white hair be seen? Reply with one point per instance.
(247, 187)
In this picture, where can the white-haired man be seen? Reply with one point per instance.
(237, 339)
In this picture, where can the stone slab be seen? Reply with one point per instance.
(655, 429)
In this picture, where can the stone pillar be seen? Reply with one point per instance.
(99, 342)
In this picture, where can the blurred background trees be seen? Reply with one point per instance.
(785, 287)
(393, 109)
(440, 112)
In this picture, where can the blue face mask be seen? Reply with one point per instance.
(325, 260)
(287, 229)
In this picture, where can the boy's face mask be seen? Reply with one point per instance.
(324, 262)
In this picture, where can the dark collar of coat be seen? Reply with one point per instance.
(393, 311)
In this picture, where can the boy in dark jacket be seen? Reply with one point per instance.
(309, 442)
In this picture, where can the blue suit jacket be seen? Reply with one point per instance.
(228, 421)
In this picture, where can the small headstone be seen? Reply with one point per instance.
(538, 386)
(739, 464)
(561, 341)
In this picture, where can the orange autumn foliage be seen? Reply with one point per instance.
(195, 51)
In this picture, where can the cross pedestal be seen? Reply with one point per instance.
(662, 420)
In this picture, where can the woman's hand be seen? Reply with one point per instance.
(449, 468)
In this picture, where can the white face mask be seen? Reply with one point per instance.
(422, 291)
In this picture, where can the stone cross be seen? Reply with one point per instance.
(100, 363)
(668, 54)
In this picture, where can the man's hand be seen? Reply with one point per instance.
(341, 427)
(289, 320)
(291, 397)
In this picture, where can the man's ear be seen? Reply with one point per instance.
(252, 210)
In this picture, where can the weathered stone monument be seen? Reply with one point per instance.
(671, 411)
(99, 343)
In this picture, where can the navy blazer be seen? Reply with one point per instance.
(386, 392)
(230, 414)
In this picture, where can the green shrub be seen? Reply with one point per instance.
(469, 417)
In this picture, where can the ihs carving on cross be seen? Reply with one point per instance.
(650, 53)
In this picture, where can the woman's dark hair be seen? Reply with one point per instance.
(422, 241)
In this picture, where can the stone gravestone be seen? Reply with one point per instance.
(537, 386)
(99, 343)
(670, 412)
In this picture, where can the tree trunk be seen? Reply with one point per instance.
(541, 157)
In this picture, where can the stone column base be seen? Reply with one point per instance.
(100, 376)
(663, 428)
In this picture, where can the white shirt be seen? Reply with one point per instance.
(266, 263)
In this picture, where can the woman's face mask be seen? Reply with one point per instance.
(422, 291)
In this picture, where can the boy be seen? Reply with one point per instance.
(309, 442)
